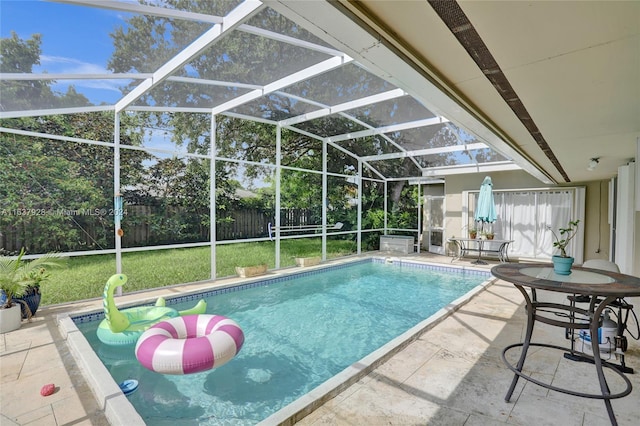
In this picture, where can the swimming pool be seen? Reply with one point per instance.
(300, 330)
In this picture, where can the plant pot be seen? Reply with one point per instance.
(562, 265)
(251, 271)
(10, 319)
(308, 261)
(473, 235)
(32, 301)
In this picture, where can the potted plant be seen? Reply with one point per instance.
(18, 276)
(30, 299)
(488, 235)
(562, 263)
(473, 233)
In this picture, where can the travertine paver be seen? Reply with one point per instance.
(35, 355)
(452, 375)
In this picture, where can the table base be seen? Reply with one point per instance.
(584, 358)
(588, 282)
(605, 364)
(534, 308)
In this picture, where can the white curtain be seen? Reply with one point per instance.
(521, 210)
(525, 218)
(554, 212)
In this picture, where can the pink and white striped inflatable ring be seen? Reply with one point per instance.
(189, 344)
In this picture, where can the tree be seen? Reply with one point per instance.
(54, 193)
(145, 40)
(177, 193)
(65, 189)
(40, 195)
(19, 56)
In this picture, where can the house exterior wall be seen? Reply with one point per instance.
(456, 184)
(596, 226)
(636, 262)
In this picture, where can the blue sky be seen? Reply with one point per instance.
(75, 39)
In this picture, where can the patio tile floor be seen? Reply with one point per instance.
(451, 375)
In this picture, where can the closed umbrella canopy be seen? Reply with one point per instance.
(486, 208)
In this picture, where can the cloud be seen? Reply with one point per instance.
(64, 65)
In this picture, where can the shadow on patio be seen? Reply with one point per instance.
(454, 375)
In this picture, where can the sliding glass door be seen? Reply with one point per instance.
(434, 229)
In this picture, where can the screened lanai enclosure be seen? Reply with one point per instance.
(131, 126)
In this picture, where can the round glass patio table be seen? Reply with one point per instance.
(603, 287)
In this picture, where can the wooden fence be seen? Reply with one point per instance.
(148, 225)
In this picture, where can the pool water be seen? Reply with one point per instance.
(298, 334)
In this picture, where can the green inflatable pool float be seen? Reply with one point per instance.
(124, 327)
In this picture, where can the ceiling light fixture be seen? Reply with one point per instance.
(593, 163)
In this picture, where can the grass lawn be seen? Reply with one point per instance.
(85, 277)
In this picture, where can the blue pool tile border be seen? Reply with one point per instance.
(99, 316)
(440, 268)
(90, 317)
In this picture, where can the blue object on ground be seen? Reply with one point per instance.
(129, 386)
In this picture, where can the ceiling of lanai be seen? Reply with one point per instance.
(558, 80)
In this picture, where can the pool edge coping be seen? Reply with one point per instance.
(119, 410)
(109, 396)
(308, 403)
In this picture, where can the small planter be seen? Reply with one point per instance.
(308, 261)
(10, 319)
(32, 301)
(562, 265)
(251, 271)
(473, 235)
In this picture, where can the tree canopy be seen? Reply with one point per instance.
(177, 189)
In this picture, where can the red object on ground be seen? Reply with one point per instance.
(48, 389)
